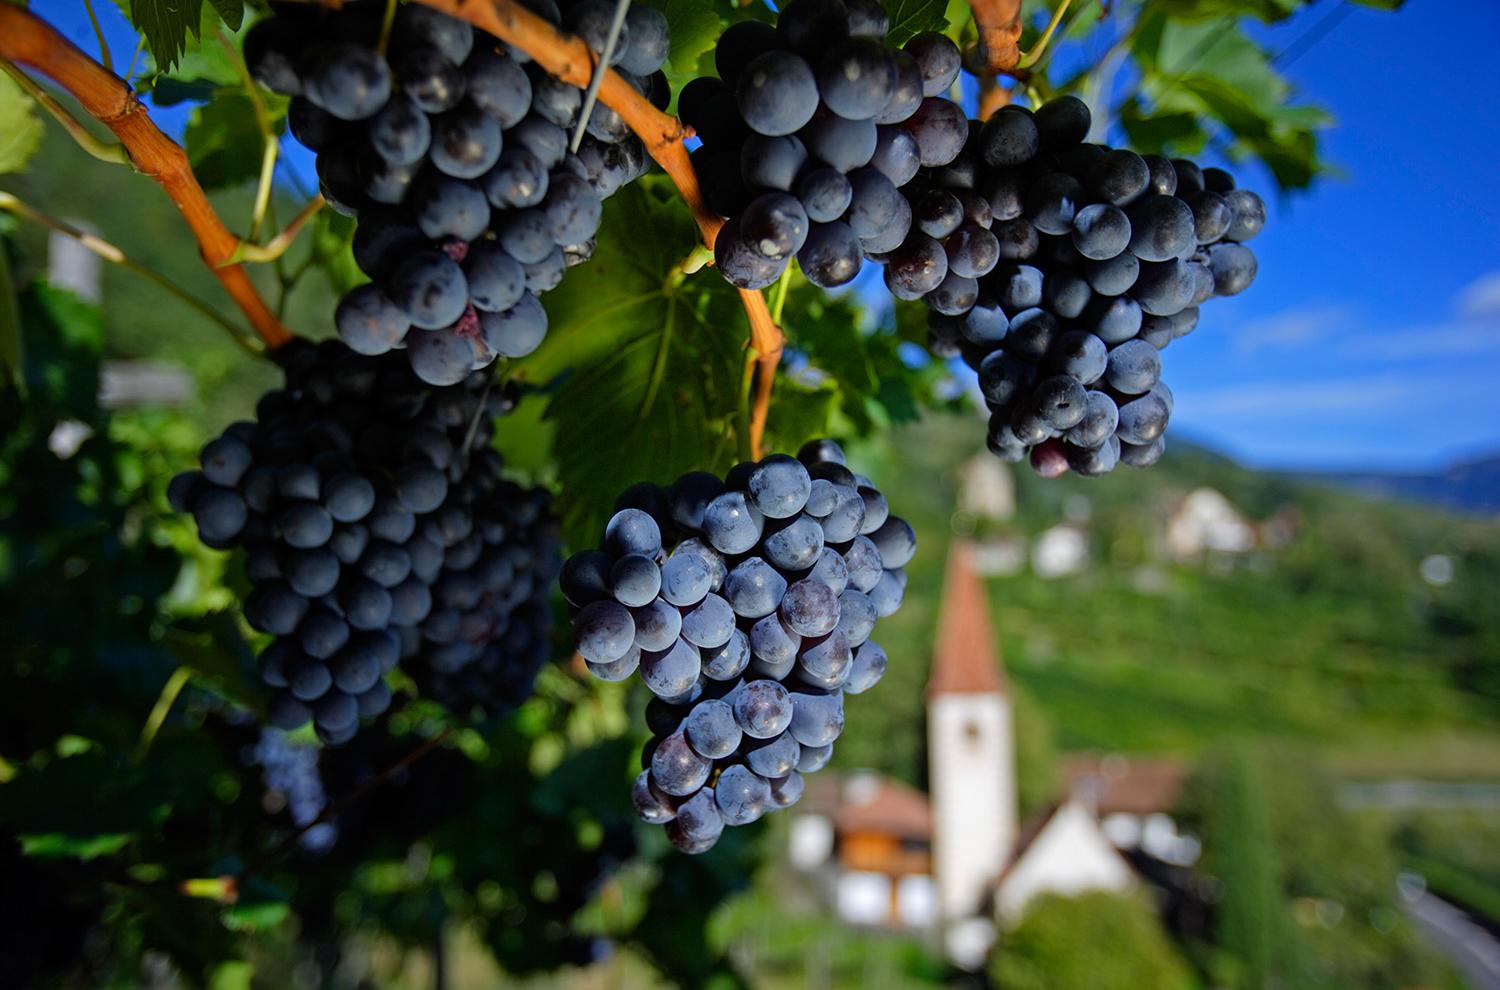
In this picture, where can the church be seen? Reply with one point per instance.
(959, 862)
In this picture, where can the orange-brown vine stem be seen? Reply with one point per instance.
(26, 39)
(992, 96)
(999, 23)
(569, 59)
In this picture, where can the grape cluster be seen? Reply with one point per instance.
(290, 774)
(1100, 258)
(451, 149)
(811, 132)
(746, 605)
(376, 527)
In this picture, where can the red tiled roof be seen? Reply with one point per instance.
(1132, 785)
(967, 660)
(880, 804)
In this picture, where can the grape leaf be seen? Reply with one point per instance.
(231, 12)
(912, 17)
(20, 127)
(694, 29)
(11, 352)
(165, 24)
(223, 142)
(649, 373)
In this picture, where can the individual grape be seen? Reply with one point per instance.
(1100, 418)
(728, 661)
(517, 331)
(754, 588)
(369, 322)
(709, 624)
(1031, 334)
(677, 770)
(817, 719)
(1143, 419)
(1112, 276)
(1120, 177)
(673, 672)
(649, 41)
(1052, 203)
(810, 608)
(431, 289)
(1009, 138)
(731, 524)
(938, 60)
(772, 162)
(1091, 462)
(897, 155)
(1249, 215)
(940, 130)
(775, 757)
(762, 709)
(831, 255)
(774, 225)
(1165, 288)
(777, 93)
(796, 547)
(1079, 355)
(1142, 455)
(918, 267)
(1114, 319)
(842, 144)
(906, 93)
(856, 78)
(465, 144)
(955, 295)
(1234, 268)
(972, 252)
(1212, 216)
(1101, 231)
(711, 730)
(824, 661)
(349, 81)
(1018, 239)
(1161, 227)
(1217, 180)
(1062, 122)
(742, 795)
(896, 542)
(572, 209)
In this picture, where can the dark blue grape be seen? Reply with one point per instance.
(777, 93)
(711, 730)
(517, 331)
(673, 672)
(762, 709)
(604, 631)
(772, 162)
(349, 81)
(499, 87)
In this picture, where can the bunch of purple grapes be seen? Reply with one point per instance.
(1104, 257)
(811, 134)
(452, 150)
(377, 528)
(746, 606)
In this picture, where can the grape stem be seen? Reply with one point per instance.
(992, 96)
(26, 39)
(111, 253)
(1028, 59)
(569, 59)
(277, 246)
(999, 24)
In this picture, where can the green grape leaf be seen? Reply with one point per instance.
(1265, 10)
(648, 376)
(912, 17)
(695, 27)
(166, 23)
(333, 250)
(168, 91)
(1382, 4)
(223, 142)
(12, 352)
(58, 845)
(20, 127)
(231, 12)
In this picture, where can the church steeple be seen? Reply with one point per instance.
(967, 660)
(971, 761)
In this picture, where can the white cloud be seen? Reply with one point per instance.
(1278, 400)
(1440, 340)
(1481, 297)
(1292, 329)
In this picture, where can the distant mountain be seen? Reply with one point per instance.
(1469, 486)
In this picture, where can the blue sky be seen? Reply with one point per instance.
(1372, 334)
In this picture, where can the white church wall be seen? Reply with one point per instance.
(972, 770)
(809, 841)
(917, 901)
(864, 898)
(1070, 856)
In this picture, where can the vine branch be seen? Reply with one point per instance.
(569, 59)
(26, 39)
(999, 24)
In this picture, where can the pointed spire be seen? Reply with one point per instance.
(967, 660)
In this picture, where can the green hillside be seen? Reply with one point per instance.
(1333, 640)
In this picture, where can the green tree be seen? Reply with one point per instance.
(1241, 854)
(1095, 941)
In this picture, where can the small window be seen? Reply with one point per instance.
(972, 731)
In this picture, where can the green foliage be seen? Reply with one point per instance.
(223, 142)
(1308, 891)
(1095, 941)
(20, 126)
(912, 17)
(1038, 778)
(1240, 853)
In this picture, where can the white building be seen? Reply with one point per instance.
(1206, 521)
